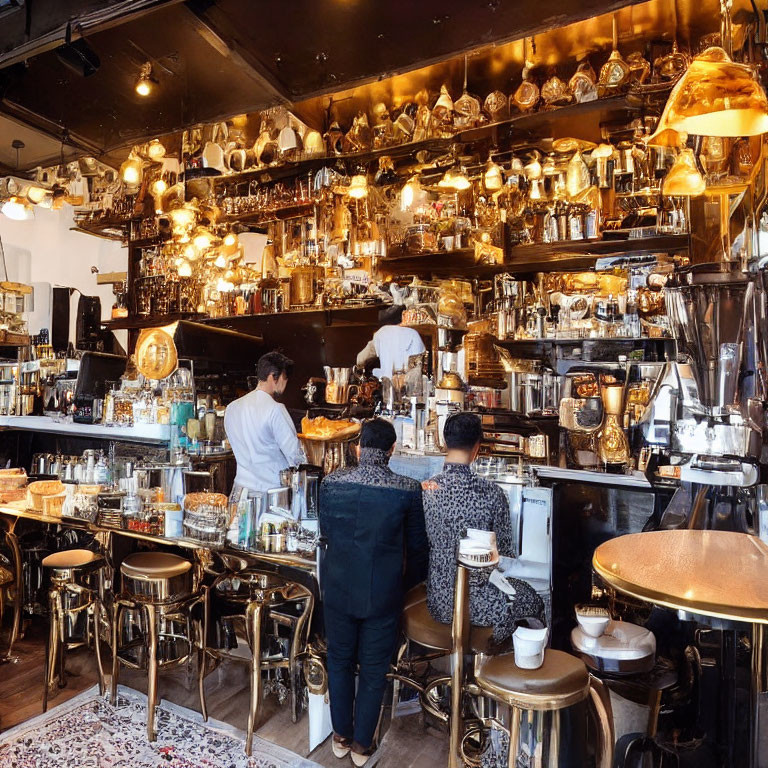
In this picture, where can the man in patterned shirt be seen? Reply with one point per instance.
(371, 521)
(458, 499)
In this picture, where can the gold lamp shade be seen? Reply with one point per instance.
(156, 355)
(684, 178)
(715, 97)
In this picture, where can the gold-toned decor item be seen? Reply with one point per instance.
(684, 178)
(613, 446)
(583, 83)
(466, 109)
(555, 92)
(672, 65)
(493, 178)
(441, 123)
(156, 356)
(526, 97)
(334, 139)
(715, 97)
(614, 74)
(639, 68)
(496, 106)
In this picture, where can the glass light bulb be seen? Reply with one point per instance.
(230, 239)
(16, 209)
(185, 269)
(220, 262)
(155, 150)
(358, 187)
(158, 187)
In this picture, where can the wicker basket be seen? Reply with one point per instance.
(39, 490)
(52, 505)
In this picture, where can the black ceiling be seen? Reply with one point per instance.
(216, 58)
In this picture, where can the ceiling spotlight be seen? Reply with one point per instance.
(145, 83)
(17, 209)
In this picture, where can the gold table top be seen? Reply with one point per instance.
(713, 573)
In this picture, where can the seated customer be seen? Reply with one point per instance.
(371, 519)
(458, 499)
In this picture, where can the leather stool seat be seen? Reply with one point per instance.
(421, 628)
(561, 681)
(71, 558)
(154, 565)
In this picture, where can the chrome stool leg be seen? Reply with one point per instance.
(202, 655)
(151, 614)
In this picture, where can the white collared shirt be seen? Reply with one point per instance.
(394, 344)
(263, 439)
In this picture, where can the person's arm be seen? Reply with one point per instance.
(503, 525)
(416, 542)
(285, 436)
(367, 353)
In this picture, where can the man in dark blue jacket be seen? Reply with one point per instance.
(376, 547)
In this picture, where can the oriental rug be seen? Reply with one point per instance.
(89, 732)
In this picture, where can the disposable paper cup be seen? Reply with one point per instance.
(529, 645)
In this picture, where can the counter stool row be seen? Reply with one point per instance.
(154, 624)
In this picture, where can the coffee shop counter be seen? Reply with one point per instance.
(19, 510)
(139, 433)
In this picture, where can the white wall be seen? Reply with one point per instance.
(45, 249)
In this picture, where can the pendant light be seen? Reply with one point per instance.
(145, 83)
(526, 97)
(466, 108)
(493, 178)
(455, 178)
(408, 193)
(155, 150)
(131, 172)
(684, 179)
(715, 97)
(358, 186)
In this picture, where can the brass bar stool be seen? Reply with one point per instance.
(420, 628)
(71, 594)
(154, 611)
(249, 600)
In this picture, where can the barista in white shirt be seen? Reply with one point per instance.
(260, 430)
(393, 344)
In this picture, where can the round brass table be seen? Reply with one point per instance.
(709, 573)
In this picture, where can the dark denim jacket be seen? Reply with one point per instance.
(371, 520)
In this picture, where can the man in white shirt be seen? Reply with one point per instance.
(260, 430)
(393, 344)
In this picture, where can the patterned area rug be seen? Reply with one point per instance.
(88, 732)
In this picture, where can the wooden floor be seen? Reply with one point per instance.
(407, 743)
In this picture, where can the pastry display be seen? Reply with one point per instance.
(322, 428)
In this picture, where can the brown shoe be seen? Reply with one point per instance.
(361, 757)
(341, 746)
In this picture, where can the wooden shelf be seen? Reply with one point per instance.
(538, 257)
(152, 321)
(578, 120)
(9, 339)
(314, 164)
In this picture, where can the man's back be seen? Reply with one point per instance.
(394, 345)
(369, 516)
(263, 439)
(455, 500)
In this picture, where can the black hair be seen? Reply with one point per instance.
(377, 433)
(391, 315)
(463, 431)
(273, 363)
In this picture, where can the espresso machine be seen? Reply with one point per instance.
(707, 409)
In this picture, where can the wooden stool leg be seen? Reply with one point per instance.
(151, 615)
(253, 620)
(514, 737)
(554, 739)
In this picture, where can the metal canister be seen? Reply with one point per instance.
(265, 536)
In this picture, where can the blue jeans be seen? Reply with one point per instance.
(366, 644)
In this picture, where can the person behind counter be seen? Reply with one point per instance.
(260, 430)
(369, 517)
(394, 344)
(458, 499)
